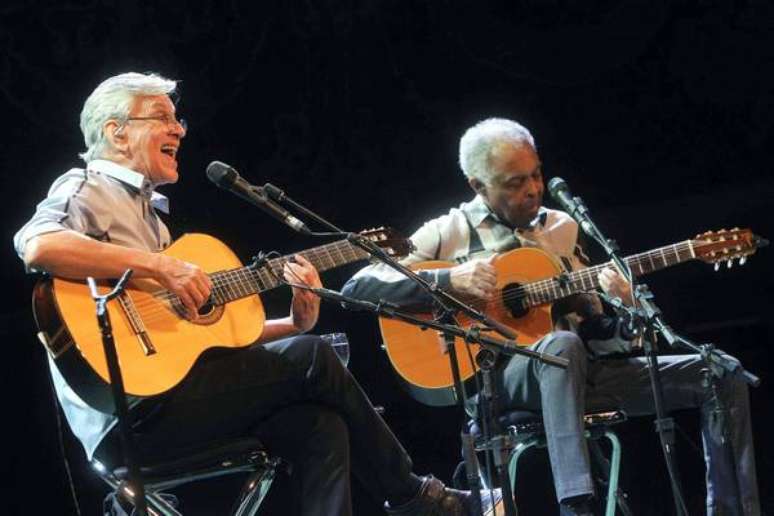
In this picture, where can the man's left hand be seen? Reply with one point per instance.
(305, 307)
(615, 285)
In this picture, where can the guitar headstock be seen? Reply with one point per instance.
(726, 245)
(390, 240)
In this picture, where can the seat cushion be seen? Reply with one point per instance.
(527, 421)
(207, 456)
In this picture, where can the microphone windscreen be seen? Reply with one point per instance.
(557, 184)
(221, 174)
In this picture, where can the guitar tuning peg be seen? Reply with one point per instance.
(742, 260)
(717, 266)
(729, 263)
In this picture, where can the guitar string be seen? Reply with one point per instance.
(541, 292)
(228, 281)
(550, 286)
(243, 280)
(277, 279)
(224, 279)
(235, 279)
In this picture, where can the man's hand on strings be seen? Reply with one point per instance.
(615, 285)
(305, 307)
(186, 280)
(476, 278)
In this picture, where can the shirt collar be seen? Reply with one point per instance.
(134, 179)
(477, 211)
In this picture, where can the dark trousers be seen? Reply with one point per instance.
(295, 396)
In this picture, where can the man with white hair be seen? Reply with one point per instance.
(500, 161)
(292, 393)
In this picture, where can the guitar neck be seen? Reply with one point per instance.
(585, 280)
(253, 279)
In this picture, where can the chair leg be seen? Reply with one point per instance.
(157, 506)
(518, 450)
(254, 491)
(611, 470)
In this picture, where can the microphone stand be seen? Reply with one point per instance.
(448, 307)
(664, 424)
(646, 317)
(133, 486)
(716, 365)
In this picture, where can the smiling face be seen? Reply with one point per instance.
(515, 191)
(149, 140)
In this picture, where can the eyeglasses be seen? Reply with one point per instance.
(167, 119)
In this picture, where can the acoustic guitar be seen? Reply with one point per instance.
(529, 280)
(156, 344)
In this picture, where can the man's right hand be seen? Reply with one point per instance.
(476, 278)
(186, 280)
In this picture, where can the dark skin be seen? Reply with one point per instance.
(515, 194)
(515, 190)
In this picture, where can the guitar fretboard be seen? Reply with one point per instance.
(245, 281)
(584, 280)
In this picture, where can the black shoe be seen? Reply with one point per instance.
(579, 506)
(435, 499)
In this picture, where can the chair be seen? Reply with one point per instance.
(205, 462)
(208, 461)
(524, 430)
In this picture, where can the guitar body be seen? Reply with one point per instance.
(65, 313)
(419, 356)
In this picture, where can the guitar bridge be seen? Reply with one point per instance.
(135, 322)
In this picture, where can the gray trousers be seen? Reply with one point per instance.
(590, 385)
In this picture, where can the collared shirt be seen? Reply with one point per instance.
(474, 231)
(449, 238)
(109, 203)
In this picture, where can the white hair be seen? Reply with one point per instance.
(112, 99)
(477, 143)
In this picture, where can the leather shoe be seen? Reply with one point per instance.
(435, 499)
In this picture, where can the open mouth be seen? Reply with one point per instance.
(169, 150)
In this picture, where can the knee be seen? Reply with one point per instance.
(312, 350)
(566, 344)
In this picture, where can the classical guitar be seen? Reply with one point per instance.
(529, 280)
(156, 344)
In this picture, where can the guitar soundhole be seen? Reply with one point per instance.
(206, 311)
(514, 301)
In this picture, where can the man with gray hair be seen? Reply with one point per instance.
(290, 390)
(500, 161)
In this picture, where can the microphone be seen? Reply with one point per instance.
(560, 192)
(225, 177)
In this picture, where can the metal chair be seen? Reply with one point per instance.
(205, 462)
(524, 430)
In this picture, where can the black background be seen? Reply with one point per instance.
(658, 114)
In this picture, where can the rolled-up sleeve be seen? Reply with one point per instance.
(379, 282)
(73, 203)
